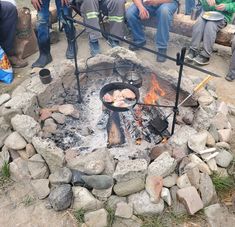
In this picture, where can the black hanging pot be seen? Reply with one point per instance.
(109, 88)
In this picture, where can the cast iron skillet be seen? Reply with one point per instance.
(119, 86)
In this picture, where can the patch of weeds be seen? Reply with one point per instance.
(28, 200)
(79, 215)
(5, 171)
(111, 216)
(222, 184)
(151, 221)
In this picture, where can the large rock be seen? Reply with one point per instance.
(129, 169)
(129, 187)
(191, 199)
(202, 119)
(220, 121)
(124, 210)
(98, 218)
(225, 135)
(162, 166)
(202, 166)
(154, 186)
(37, 167)
(53, 155)
(41, 187)
(61, 176)
(197, 142)
(102, 194)
(113, 200)
(183, 181)
(15, 141)
(26, 126)
(94, 167)
(98, 181)
(30, 151)
(58, 117)
(206, 189)
(61, 197)
(83, 199)
(77, 178)
(4, 98)
(5, 130)
(194, 176)
(143, 206)
(66, 109)
(130, 222)
(166, 196)
(170, 180)
(177, 206)
(224, 158)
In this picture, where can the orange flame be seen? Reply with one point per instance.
(154, 92)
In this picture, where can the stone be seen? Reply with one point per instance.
(197, 142)
(213, 94)
(49, 126)
(188, 118)
(94, 167)
(185, 161)
(130, 222)
(202, 119)
(124, 210)
(15, 141)
(75, 114)
(129, 169)
(220, 121)
(129, 187)
(162, 166)
(203, 167)
(59, 118)
(45, 114)
(113, 200)
(8, 113)
(213, 131)
(5, 130)
(71, 153)
(53, 155)
(61, 197)
(166, 196)
(29, 149)
(83, 199)
(225, 135)
(223, 108)
(157, 150)
(4, 157)
(66, 109)
(183, 181)
(191, 199)
(210, 142)
(13, 153)
(219, 216)
(181, 136)
(194, 176)
(37, 167)
(26, 126)
(222, 172)
(19, 171)
(98, 181)
(102, 194)
(205, 100)
(61, 176)
(41, 187)
(77, 178)
(98, 218)
(177, 206)
(212, 165)
(4, 98)
(154, 186)
(170, 180)
(224, 145)
(179, 153)
(206, 189)
(224, 158)
(23, 154)
(143, 206)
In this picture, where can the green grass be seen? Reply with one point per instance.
(28, 201)
(111, 216)
(222, 184)
(5, 171)
(79, 215)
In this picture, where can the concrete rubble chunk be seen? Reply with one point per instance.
(191, 199)
(98, 218)
(4, 98)
(124, 210)
(129, 169)
(26, 126)
(224, 158)
(41, 187)
(15, 141)
(154, 186)
(197, 142)
(162, 166)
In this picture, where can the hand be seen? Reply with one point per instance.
(211, 2)
(64, 2)
(220, 7)
(36, 4)
(143, 13)
(151, 2)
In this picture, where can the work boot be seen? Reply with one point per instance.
(230, 77)
(17, 63)
(137, 46)
(94, 47)
(159, 57)
(191, 54)
(201, 60)
(70, 51)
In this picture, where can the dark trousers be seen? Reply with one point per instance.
(231, 72)
(8, 20)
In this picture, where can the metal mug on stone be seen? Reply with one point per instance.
(45, 76)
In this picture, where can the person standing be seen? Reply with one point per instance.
(42, 28)
(189, 5)
(163, 10)
(231, 73)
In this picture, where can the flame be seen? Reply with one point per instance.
(164, 140)
(154, 92)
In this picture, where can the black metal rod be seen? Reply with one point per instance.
(155, 105)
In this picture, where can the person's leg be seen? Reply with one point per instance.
(165, 13)
(209, 37)
(189, 5)
(8, 21)
(116, 11)
(42, 28)
(231, 73)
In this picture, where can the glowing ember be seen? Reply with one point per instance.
(154, 92)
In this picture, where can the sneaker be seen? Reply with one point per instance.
(201, 60)
(94, 47)
(137, 46)
(230, 77)
(161, 58)
(113, 43)
(191, 55)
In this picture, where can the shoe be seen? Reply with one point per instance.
(201, 60)
(159, 57)
(230, 77)
(137, 46)
(17, 63)
(113, 43)
(94, 47)
(42, 61)
(191, 54)
(70, 52)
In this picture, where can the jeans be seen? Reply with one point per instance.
(189, 5)
(164, 16)
(43, 21)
